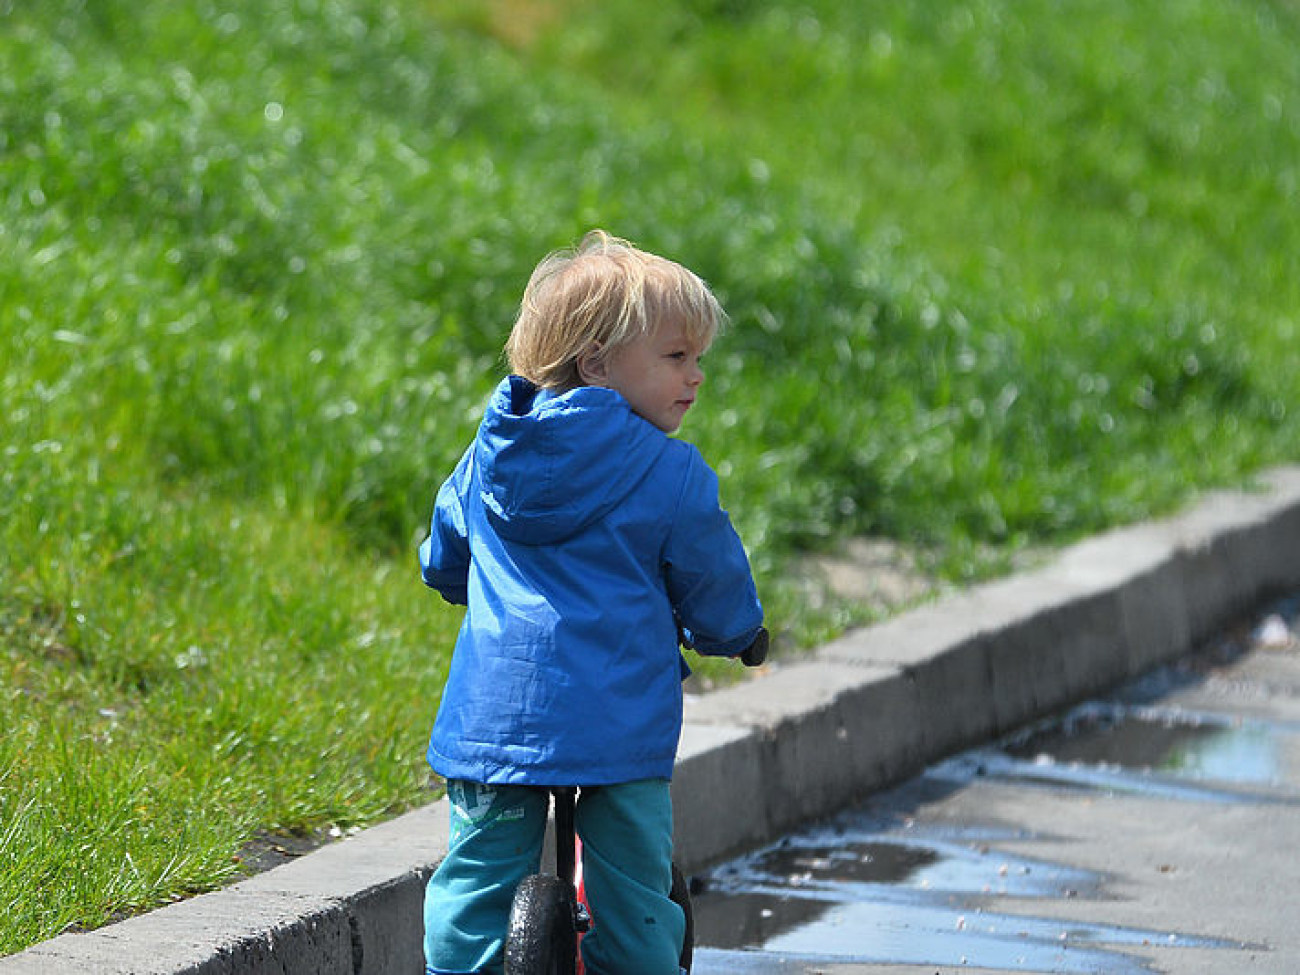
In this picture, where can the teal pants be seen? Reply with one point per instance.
(495, 841)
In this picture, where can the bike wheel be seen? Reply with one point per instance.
(681, 896)
(540, 939)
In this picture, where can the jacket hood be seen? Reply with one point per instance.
(550, 464)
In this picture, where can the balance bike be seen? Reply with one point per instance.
(549, 913)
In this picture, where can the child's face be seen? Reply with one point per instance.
(658, 374)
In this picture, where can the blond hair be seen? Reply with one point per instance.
(597, 297)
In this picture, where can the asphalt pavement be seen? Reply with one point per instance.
(1149, 829)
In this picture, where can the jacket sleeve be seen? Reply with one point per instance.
(444, 555)
(707, 571)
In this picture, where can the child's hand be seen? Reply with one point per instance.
(754, 654)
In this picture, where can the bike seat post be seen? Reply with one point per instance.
(565, 800)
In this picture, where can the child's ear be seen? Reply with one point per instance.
(592, 368)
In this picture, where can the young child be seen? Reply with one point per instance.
(585, 543)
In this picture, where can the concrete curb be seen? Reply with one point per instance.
(803, 741)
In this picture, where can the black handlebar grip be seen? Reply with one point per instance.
(754, 654)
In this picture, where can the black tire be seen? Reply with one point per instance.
(681, 896)
(540, 939)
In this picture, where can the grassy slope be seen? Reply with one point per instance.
(256, 263)
(1103, 197)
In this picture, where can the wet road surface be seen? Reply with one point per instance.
(1156, 829)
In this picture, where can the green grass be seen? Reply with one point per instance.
(1092, 204)
(999, 277)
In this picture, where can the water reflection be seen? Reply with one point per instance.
(1198, 747)
(885, 890)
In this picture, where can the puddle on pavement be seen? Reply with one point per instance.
(1198, 747)
(890, 891)
(919, 892)
(850, 855)
(1149, 751)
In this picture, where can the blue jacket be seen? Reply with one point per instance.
(579, 536)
